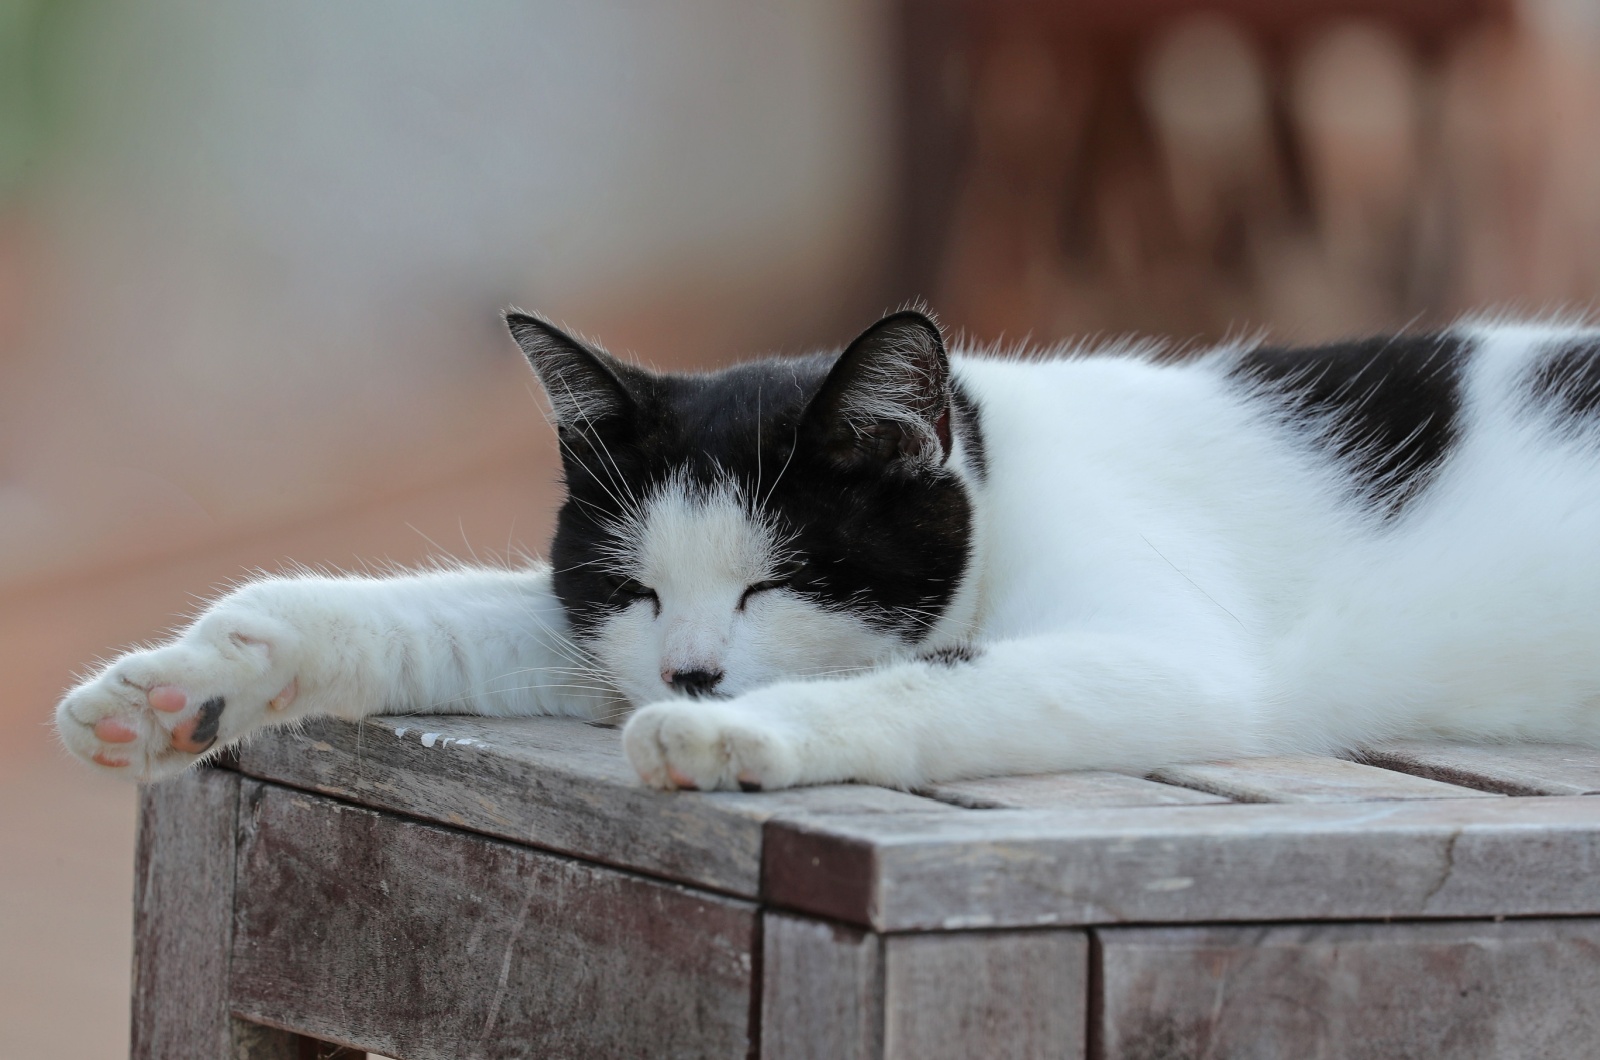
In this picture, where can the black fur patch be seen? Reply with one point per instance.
(970, 427)
(889, 544)
(1388, 407)
(1566, 380)
(208, 722)
(954, 655)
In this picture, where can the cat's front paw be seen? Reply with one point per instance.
(152, 714)
(710, 745)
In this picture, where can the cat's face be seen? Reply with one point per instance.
(780, 518)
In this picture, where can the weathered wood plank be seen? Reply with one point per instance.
(1236, 862)
(1001, 995)
(1301, 778)
(423, 942)
(1495, 991)
(556, 783)
(1513, 769)
(821, 991)
(183, 923)
(1050, 791)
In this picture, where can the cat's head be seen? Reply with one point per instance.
(779, 518)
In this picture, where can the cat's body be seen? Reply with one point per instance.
(896, 568)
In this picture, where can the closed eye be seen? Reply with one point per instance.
(761, 587)
(630, 591)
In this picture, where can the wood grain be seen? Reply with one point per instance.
(182, 924)
(422, 942)
(1467, 991)
(1236, 862)
(1300, 778)
(821, 991)
(1001, 995)
(556, 783)
(1060, 790)
(1513, 769)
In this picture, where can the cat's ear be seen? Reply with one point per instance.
(585, 385)
(887, 399)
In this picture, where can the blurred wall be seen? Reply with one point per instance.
(1310, 171)
(252, 257)
(254, 260)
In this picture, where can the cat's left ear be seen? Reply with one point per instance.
(586, 386)
(887, 399)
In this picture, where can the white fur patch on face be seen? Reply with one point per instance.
(700, 551)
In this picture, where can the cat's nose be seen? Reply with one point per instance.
(693, 682)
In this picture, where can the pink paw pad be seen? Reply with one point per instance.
(169, 699)
(114, 730)
(283, 699)
(100, 757)
(679, 780)
(196, 735)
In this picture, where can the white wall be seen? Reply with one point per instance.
(274, 236)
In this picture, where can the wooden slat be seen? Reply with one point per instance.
(182, 914)
(1467, 991)
(1299, 778)
(1060, 790)
(1516, 769)
(183, 923)
(1019, 868)
(822, 991)
(556, 783)
(421, 942)
(1001, 995)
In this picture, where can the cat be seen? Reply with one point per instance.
(897, 566)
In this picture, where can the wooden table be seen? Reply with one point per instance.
(462, 887)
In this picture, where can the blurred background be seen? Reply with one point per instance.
(252, 256)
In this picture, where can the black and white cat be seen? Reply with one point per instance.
(895, 566)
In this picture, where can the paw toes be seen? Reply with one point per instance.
(681, 780)
(196, 735)
(101, 758)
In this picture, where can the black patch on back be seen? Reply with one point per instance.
(1389, 408)
(1566, 380)
(890, 548)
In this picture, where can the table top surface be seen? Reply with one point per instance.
(1411, 830)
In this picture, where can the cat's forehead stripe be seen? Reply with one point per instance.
(689, 533)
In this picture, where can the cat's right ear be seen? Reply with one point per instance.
(584, 384)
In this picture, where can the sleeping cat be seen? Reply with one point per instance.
(898, 566)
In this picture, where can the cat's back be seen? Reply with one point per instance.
(1378, 420)
(1282, 477)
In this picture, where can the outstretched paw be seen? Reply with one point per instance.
(710, 745)
(154, 713)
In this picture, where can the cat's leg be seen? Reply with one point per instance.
(283, 648)
(1078, 701)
